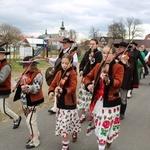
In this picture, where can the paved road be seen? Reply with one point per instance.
(135, 128)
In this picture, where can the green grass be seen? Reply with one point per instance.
(42, 64)
(79, 59)
(17, 68)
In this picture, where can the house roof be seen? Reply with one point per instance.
(139, 42)
(34, 41)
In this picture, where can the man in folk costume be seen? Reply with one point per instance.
(106, 101)
(5, 88)
(137, 55)
(130, 79)
(29, 92)
(66, 48)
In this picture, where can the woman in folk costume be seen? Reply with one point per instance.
(90, 59)
(130, 79)
(105, 104)
(29, 91)
(64, 87)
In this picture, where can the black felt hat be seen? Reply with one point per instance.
(28, 60)
(66, 40)
(133, 42)
(121, 44)
(2, 51)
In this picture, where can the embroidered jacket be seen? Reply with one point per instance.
(67, 99)
(5, 78)
(35, 94)
(111, 91)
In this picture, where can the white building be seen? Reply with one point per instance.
(27, 46)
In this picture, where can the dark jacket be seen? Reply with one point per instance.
(137, 55)
(85, 65)
(145, 52)
(130, 79)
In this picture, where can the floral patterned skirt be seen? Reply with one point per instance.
(107, 123)
(67, 122)
(84, 98)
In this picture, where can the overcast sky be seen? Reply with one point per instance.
(33, 17)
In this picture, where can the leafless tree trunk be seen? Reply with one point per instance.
(94, 33)
(73, 34)
(134, 28)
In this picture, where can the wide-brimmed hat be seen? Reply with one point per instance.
(2, 51)
(66, 40)
(121, 44)
(27, 61)
(133, 42)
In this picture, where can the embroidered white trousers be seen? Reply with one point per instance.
(6, 110)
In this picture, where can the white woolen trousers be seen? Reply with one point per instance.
(31, 121)
(6, 110)
(55, 105)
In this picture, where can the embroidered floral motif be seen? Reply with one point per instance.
(84, 99)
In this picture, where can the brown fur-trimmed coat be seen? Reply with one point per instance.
(67, 99)
(111, 91)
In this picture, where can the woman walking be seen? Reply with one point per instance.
(105, 105)
(90, 59)
(64, 88)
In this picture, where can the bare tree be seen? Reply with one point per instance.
(134, 27)
(117, 30)
(11, 35)
(73, 34)
(94, 33)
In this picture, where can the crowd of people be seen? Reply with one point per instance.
(107, 80)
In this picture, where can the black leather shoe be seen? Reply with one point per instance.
(121, 117)
(17, 122)
(51, 112)
(30, 139)
(30, 145)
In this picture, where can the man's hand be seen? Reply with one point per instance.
(124, 59)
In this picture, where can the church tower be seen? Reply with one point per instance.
(62, 31)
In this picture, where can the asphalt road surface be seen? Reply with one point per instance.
(134, 135)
